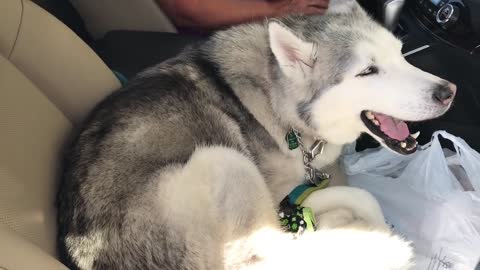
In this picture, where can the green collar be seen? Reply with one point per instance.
(301, 192)
(294, 217)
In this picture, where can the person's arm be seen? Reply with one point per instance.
(214, 14)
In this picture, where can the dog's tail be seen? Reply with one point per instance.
(333, 249)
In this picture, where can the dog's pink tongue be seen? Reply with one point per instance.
(395, 129)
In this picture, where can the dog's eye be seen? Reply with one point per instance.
(371, 70)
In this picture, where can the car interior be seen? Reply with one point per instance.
(58, 58)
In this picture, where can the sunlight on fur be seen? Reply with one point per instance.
(341, 248)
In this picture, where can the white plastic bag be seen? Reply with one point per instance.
(424, 198)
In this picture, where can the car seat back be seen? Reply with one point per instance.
(49, 80)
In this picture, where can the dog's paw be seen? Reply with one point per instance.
(336, 205)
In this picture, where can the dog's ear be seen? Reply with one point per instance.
(291, 52)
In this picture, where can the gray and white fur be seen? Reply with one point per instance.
(184, 167)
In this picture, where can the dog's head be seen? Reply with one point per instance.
(342, 74)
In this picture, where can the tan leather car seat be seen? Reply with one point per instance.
(49, 80)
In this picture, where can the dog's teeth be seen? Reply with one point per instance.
(415, 135)
(403, 144)
(412, 147)
(376, 122)
(370, 115)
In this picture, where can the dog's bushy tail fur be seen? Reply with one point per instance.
(352, 248)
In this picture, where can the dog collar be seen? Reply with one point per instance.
(295, 218)
(294, 141)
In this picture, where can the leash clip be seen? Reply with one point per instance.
(317, 177)
(317, 148)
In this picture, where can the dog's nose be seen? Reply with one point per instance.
(444, 94)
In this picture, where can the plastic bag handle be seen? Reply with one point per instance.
(468, 158)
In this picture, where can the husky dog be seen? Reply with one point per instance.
(185, 166)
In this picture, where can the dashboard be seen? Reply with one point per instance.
(456, 22)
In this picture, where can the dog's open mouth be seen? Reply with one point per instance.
(394, 132)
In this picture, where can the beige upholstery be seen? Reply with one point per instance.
(17, 253)
(105, 15)
(10, 18)
(49, 79)
(33, 131)
(58, 62)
